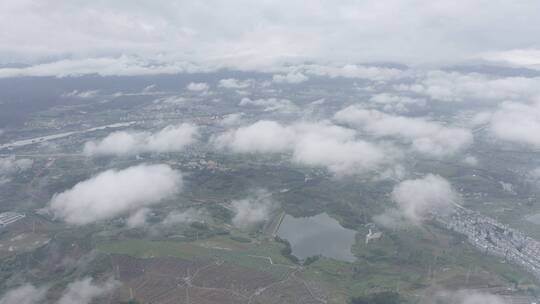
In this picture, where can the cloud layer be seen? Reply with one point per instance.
(425, 136)
(270, 104)
(173, 138)
(313, 144)
(517, 123)
(197, 86)
(11, 165)
(473, 87)
(253, 210)
(233, 83)
(25, 294)
(85, 290)
(464, 297)
(247, 33)
(116, 192)
(415, 198)
(81, 291)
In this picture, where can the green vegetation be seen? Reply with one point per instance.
(254, 256)
(240, 239)
(310, 260)
(286, 251)
(378, 298)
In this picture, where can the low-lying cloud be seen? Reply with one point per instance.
(291, 78)
(173, 138)
(425, 136)
(464, 297)
(138, 218)
(416, 198)
(233, 83)
(264, 136)
(517, 123)
(313, 144)
(533, 177)
(353, 71)
(116, 192)
(181, 217)
(81, 94)
(198, 86)
(461, 87)
(85, 291)
(12, 165)
(271, 104)
(253, 210)
(25, 294)
(396, 103)
(231, 119)
(9, 165)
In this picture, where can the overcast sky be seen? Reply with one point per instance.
(247, 33)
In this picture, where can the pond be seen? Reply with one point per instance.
(318, 235)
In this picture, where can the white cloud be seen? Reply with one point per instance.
(149, 89)
(243, 33)
(85, 291)
(291, 77)
(535, 173)
(458, 87)
(312, 144)
(173, 138)
(253, 210)
(354, 71)
(261, 137)
(116, 192)
(338, 155)
(396, 173)
(25, 294)
(470, 160)
(81, 94)
(480, 119)
(415, 198)
(523, 57)
(198, 86)
(534, 176)
(517, 123)
(104, 66)
(180, 217)
(175, 100)
(11, 165)
(396, 103)
(231, 119)
(464, 297)
(271, 104)
(232, 83)
(425, 136)
(138, 218)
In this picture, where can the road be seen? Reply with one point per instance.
(41, 139)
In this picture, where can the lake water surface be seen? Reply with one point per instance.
(318, 235)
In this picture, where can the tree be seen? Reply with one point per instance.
(386, 297)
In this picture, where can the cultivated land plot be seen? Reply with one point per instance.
(175, 280)
(264, 256)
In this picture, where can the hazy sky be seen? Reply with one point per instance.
(253, 34)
